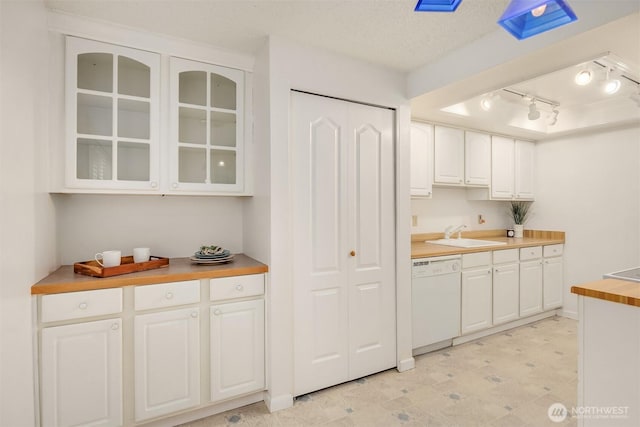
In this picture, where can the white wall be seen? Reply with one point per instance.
(450, 206)
(292, 66)
(27, 233)
(172, 226)
(589, 187)
(257, 209)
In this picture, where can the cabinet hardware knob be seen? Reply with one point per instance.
(217, 312)
(83, 306)
(174, 185)
(194, 314)
(154, 184)
(496, 270)
(239, 288)
(352, 253)
(115, 327)
(169, 295)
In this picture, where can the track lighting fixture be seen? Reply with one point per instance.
(635, 97)
(611, 84)
(553, 118)
(534, 114)
(584, 77)
(487, 101)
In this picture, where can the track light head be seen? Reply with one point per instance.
(534, 114)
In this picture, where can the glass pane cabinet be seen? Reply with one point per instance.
(112, 101)
(207, 127)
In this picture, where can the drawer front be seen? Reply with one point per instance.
(506, 255)
(476, 259)
(533, 252)
(167, 294)
(76, 305)
(553, 250)
(236, 287)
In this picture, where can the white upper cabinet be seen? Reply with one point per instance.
(461, 157)
(448, 156)
(524, 169)
(512, 169)
(206, 127)
(477, 154)
(112, 110)
(421, 160)
(116, 142)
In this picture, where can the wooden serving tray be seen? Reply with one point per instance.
(92, 268)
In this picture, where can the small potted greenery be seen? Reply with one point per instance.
(519, 211)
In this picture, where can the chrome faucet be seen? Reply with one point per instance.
(450, 230)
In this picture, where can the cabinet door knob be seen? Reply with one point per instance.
(217, 312)
(352, 253)
(174, 185)
(154, 184)
(194, 314)
(239, 288)
(115, 327)
(83, 306)
(169, 295)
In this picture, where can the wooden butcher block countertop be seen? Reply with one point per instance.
(179, 269)
(614, 290)
(420, 249)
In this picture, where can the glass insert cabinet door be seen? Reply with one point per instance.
(207, 127)
(112, 103)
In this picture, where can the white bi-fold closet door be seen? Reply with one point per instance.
(344, 240)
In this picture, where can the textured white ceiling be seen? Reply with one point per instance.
(385, 32)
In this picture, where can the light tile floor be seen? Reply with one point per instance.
(508, 379)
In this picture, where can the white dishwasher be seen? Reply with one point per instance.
(435, 299)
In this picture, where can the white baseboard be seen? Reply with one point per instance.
(569, 314)
(504, 327)
(406, 364)
(196, 414)
(278, 403)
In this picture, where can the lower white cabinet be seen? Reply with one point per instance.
(506, 293)
(476, 300)
(530, 287)
(237, 348)
(167, 362)
(81, 374)
(129, 356)
(553, 282)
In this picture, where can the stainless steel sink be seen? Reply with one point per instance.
(466, 243)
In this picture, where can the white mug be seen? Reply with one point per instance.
(109, 258)
(141, 254)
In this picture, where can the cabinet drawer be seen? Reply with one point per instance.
(533, 252)
(236, 287)
(506, 255)
(75, 305)
(167, 294)
(553, 250)
(476, 260)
